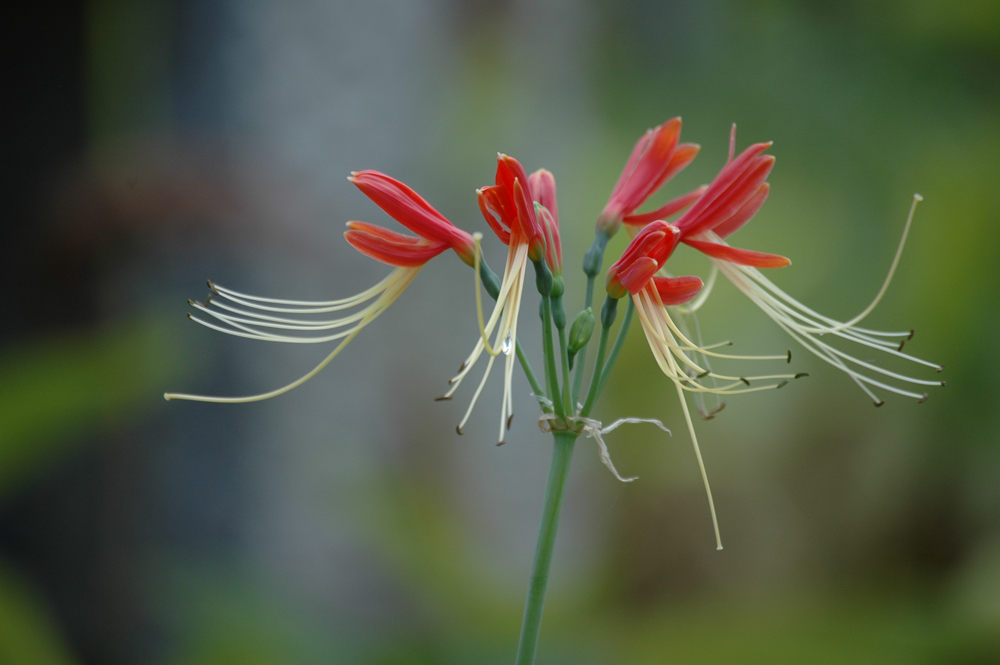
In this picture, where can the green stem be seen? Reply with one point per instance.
(550, 359)
(592, 262)
(567, 403)
(562, 455)
(581, 355)
(619, 342)
(595, 382)
(529, 372)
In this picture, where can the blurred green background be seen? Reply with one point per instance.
(157, 143)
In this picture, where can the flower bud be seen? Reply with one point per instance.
(581, 331)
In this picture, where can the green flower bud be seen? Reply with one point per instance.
(583, 328)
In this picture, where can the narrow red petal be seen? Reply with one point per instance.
(382, 232)
(527, 220)
(409, 208)
(683, 155)
(543, 190)
(743, 257)
(491, 205)
(744, 214)
(402, 255)
(727, 176)
(637, 275)
(729, 202)
(654, 162)
(677, 290)
(637, 152)
(667, 210)
(553, 245)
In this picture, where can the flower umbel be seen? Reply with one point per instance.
(524, 214)
(299, 321)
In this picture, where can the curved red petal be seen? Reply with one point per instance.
(743, 257)
(719, 187)
(677, 290)
(744, 214)
(491, 205)
(402, 255)
(667, 210)
(382, 232)
(729, 202)
(543, 190)
(637, 274)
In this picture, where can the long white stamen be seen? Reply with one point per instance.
(367, 294)
(702, 296)
(807, 330)
(501, 326)
(391, 288)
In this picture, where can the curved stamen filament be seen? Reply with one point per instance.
(391, 288)
(502, 326)
(789, 314)
(367, 294)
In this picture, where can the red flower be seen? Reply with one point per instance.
(412, 211)
(387, 246)
(509, 210)
(732, 199)
(656, 158)
(644, 256)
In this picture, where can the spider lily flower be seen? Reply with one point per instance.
(656, 158)
(675, 354)
(412, 211)
(732, 199)
(298, 321)
(509, 210)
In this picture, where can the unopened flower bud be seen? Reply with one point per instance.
(582, 329)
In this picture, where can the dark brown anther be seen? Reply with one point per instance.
(744, 380)
(442, 398)
(944, 384)
(500, 443)
(704, 374)
(510, 419)
(923, 399)
(191, 303)
(212, 287)
(462, 366)
(459, 430)
(190, 316)
(208, 300)
(781, 385)
(940, 367)
(789, 361)
(879, 403)
(801, 374)
(900, 347)
(911, 334)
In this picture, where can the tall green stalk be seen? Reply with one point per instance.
(562, 455)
